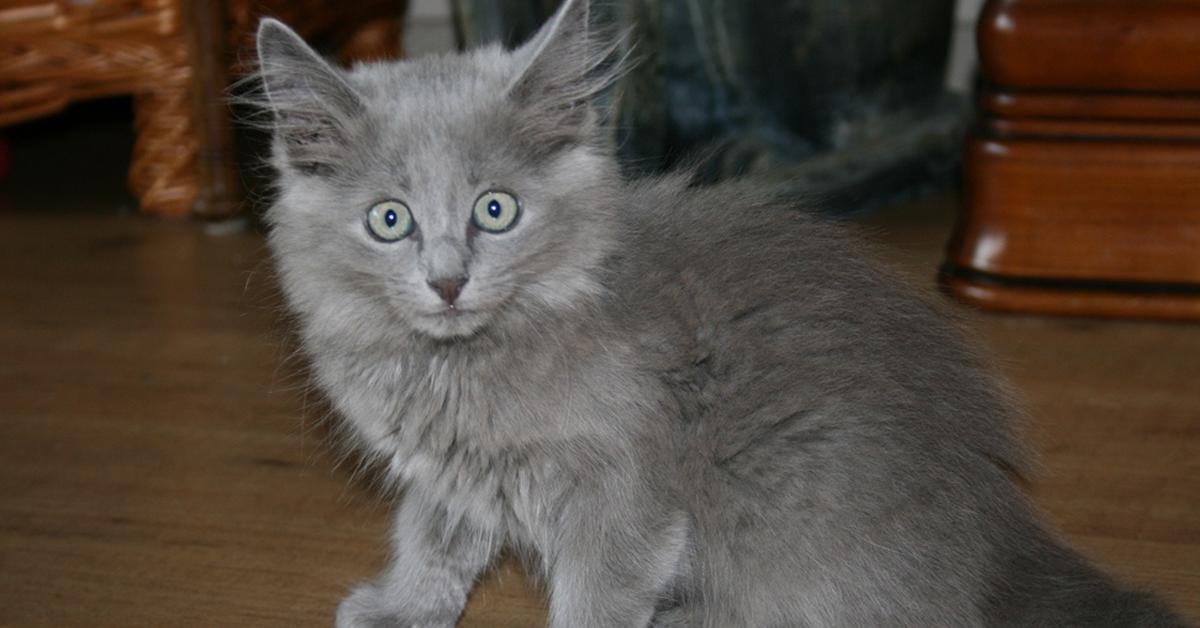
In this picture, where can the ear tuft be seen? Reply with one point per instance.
(562, 68)
(314, 106)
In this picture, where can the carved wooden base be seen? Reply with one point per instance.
(1082, 187)
(1107, 227)
(1007, 294)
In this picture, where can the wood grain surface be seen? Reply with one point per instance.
(1072, 301)
(1151, 45)
(1082, 194)
(1086, 105)
(1091, 130)
(162, 465)
(1104, 210)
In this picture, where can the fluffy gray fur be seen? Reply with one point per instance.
(696, 407)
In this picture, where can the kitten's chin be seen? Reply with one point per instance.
(451, 324)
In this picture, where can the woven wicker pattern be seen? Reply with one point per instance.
(54, 52)
(360, 29)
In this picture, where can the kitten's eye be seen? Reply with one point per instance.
(390, 221)
(496, 212)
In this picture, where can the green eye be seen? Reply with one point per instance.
(496, 212)
(390, 221)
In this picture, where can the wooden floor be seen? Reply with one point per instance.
(160, 464)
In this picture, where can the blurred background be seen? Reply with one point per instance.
(163, 461)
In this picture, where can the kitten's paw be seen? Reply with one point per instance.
(368, 607)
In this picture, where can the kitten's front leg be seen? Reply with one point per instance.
(615, 557)
(434, 564)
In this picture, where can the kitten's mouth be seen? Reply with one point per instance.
(451, 322)
(453, 311)
(457, 321)
(450, 311)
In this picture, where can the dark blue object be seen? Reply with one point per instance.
(838, 99)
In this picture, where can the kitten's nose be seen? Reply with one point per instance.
(448, 289)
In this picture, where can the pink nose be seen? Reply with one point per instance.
(448, 289)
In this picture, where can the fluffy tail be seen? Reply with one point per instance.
(1054, 586)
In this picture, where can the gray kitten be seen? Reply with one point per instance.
(696, 406)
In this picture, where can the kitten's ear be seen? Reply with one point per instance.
(560, 69)
(313, 104)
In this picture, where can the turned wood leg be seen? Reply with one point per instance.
(183, 158)
(219, 194)
(375, 39)
(162, 172)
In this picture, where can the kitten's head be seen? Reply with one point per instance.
(441, 196)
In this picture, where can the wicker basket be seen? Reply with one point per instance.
(170, 55)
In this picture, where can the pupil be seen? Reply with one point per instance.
(390, 218)
(494, 209)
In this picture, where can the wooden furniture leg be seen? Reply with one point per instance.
(1082, 178)
(379, 38)
(160, 172)
(219, 194)
(172, 57)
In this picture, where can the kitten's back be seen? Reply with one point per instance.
(821, 397)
